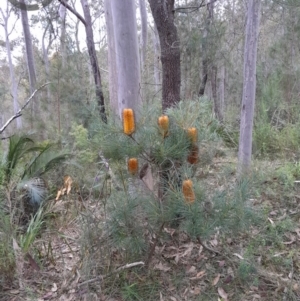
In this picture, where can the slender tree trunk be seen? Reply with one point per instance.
(156, 63)
(221, 86)
(14, 86)
(62, 14)
(93, 59)
(29, 56)
(112, 64)
(46, 61)
(205, 49)
(127, 55)
(249, 86)
(163, 14)
(144, 36)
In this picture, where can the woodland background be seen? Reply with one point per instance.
(190, 60)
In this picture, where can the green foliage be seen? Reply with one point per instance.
(134, 214)
(84, 152)
(7, 258)
(32, 231)
(246, 271)
(288, 173)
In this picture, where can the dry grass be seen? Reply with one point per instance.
(262, 263)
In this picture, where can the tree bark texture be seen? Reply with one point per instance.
(14, 86)
(156, 63)
(93, 59)
(127, 55)
(249, 86)
(163, 14)
(112, 64)
(144, 35)
(206, 60)
(62, 15)
(29, 55)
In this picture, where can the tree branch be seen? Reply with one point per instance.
(73, 11)
(18, 114)
(194, 8)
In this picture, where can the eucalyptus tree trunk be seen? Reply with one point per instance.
(249, 86)
(46, 59)
(206, 60)
(221, 87)
(156, 63)
(127, 55)
(112, 64)
(163, 14)
(14, 86)
(93, 58)
(144, 36)
(62, 15)
(29, 56)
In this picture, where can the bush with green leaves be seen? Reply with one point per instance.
(24, 168)
(136, 214)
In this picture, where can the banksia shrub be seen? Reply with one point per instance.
(163, 122)
(133, 166)
(128, 122)
(193, 155)
(188, 191)
(193, 135)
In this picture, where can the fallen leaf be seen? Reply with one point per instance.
(216, 280)
(222, 293)
(238, 255)
(228, 279)
(196, 291)
(191, 270)
(161, 267)
(54, 288)
(221, 263)
(48, 296)
(198, 276)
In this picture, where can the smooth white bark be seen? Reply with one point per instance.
(144, 35)
(249, 86)
(156, 63)
(112, 64)
(127, 54)
(14, 86)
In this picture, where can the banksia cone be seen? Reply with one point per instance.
(193, 155)
(188, 191)
(163, 122)
(193, 135)
(133, 166)
(128, 122)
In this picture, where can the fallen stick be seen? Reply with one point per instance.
(124, 267)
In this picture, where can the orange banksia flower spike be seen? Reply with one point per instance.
(193, 155)
(193, 135)
(188, 191)
(163, 123)
(128, 122)
(133, 166)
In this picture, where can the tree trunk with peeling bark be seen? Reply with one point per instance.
(163, 14)
(249, 86)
